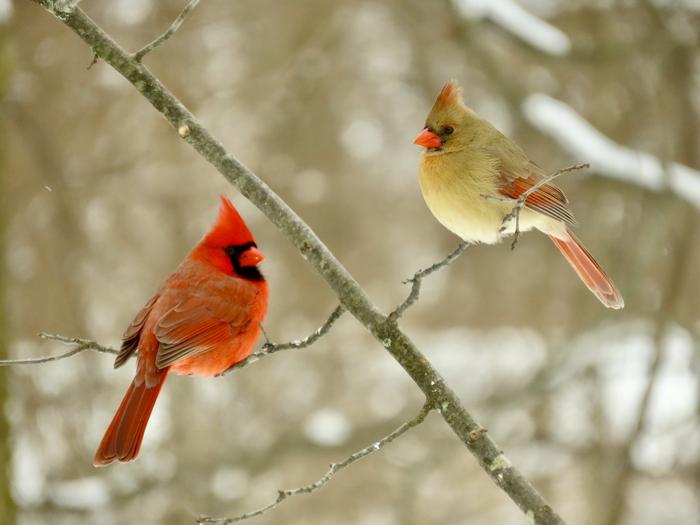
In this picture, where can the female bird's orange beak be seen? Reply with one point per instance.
(428, 139)
(251, 257)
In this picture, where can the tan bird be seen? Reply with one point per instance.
(468, 172)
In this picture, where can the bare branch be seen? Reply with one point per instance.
(520, 201)
(334, 468)
(138, 55)
(271, 348)
(417, 280)
(82, 346)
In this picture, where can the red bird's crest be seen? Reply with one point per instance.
(229, 228)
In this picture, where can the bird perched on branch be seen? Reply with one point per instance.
(203, 320)
(471, 175)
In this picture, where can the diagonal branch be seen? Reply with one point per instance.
(282, 495)
(351, 296)
(417, 280)
(520, 201)
(138, 55)
(271, 348)
(82, 346)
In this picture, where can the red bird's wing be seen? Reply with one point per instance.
(201, 322)
(130, 339)
(547, 199)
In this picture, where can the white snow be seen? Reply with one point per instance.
(5, 10)
(363, 138)
(83, 493)
(586, 143)
(513, 18)
(327, 427)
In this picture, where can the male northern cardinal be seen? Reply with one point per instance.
(204, 319)
(467, 170)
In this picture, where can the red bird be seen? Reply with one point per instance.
(203, 320)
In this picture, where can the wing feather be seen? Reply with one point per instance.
(132, 335)
(547, 199)
(204, 321)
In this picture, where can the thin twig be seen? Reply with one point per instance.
(138, 55)
(417, 280)
(270, 348)
(82, 346)
(334, 468)
(520, 201)
(94, 60)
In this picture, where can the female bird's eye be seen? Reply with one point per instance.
(448, 130)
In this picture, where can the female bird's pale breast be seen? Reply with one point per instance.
(461, 191)
(454, 189)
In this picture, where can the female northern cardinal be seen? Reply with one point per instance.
(203, 320)
(467, 170)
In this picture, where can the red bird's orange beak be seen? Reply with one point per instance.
(251, 257)
(428, 139)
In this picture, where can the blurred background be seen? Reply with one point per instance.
(101, 200)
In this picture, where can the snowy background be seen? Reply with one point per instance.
(101, 200)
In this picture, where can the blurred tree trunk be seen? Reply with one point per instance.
(7, 504)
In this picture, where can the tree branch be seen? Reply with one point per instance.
(138, 55)
(271, 348)
(334, 468)
(417, 280)
(82, 346)
(352, 297)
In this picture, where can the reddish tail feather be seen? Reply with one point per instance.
(123, 437)
(589, 271)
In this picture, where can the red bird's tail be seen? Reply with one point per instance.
(123, 437)
(589, 271)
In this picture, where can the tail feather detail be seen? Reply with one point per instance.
(122, 440)
(589, 271)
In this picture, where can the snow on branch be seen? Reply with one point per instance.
(577, 136)
(522, 24)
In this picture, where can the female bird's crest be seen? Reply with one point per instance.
(229, 228)
(450, 95)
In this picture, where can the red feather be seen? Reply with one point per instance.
(546, 199)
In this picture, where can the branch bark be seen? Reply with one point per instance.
(352, 297)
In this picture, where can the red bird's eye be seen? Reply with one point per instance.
(448, 130)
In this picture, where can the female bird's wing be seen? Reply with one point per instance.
(213, 315)
(130, 339)
(546, 199)
(518, 175)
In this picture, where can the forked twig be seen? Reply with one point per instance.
(417, 280)
(138, 55)
(270, 348)
(334, 468)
